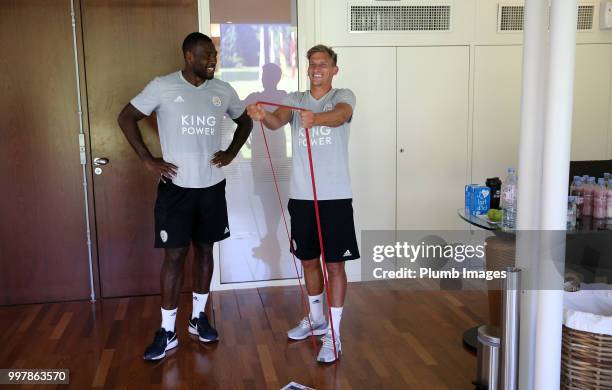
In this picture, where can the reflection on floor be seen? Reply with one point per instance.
(393, 338)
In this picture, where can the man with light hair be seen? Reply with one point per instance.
(328, 114)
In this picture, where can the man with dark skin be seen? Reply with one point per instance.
(190, 207)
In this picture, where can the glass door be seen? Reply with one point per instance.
(257, 45)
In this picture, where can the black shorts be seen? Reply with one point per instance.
(183, 215)
(337, 227)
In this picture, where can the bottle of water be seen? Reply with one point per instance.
(509, 192)
(600, 194)
(587, 204)
(571, 212)
(577, 191)
(609, 203)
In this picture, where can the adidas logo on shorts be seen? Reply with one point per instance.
(226, 230)
(347, 253)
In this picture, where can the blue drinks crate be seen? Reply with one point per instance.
(477, 199)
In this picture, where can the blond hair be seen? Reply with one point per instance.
(323, 49)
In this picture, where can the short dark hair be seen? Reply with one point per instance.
(323, 49)
(193, 39)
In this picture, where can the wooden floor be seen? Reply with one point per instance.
(392, 339)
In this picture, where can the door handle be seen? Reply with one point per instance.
(101, 161)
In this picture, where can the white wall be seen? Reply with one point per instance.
(496, 114)
(497, 106)
(433, 148)
(591, 121)
(373, 138)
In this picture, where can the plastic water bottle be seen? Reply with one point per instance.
(600, 200)
(577, 191)
(587, 205)
(571, 213)
(609, 202)
(509, 192)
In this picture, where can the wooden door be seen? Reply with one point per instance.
(127, 43)
(43, 251)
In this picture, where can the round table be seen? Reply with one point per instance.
(587, 225)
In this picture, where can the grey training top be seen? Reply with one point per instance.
(189, 120)
(329, 148)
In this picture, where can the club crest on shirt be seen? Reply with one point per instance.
(216, 101)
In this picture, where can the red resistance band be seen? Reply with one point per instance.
(316, 205)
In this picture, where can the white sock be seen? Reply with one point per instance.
(199, 302)
(336, 313)
(168, 318)
(316, 308)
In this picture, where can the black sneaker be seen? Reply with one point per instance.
(201, 328)
(162, 342)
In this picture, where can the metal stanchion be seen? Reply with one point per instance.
(508, 378)
(487, 370)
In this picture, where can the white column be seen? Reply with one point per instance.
(535, 36)
(532, 113)
(556, 158)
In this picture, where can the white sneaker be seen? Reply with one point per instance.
(303, 330)
(326, 354)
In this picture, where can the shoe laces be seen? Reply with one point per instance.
(203, 321)
(305, 323)
(160, 337)
(328, 340)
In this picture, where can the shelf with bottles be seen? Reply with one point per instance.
(589, 205)
(494, 206)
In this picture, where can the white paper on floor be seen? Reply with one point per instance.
(296, 386)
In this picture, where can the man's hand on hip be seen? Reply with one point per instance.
(222, 158)
(161, 168)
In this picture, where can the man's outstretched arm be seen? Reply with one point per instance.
(272, 120)
(341, 113)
